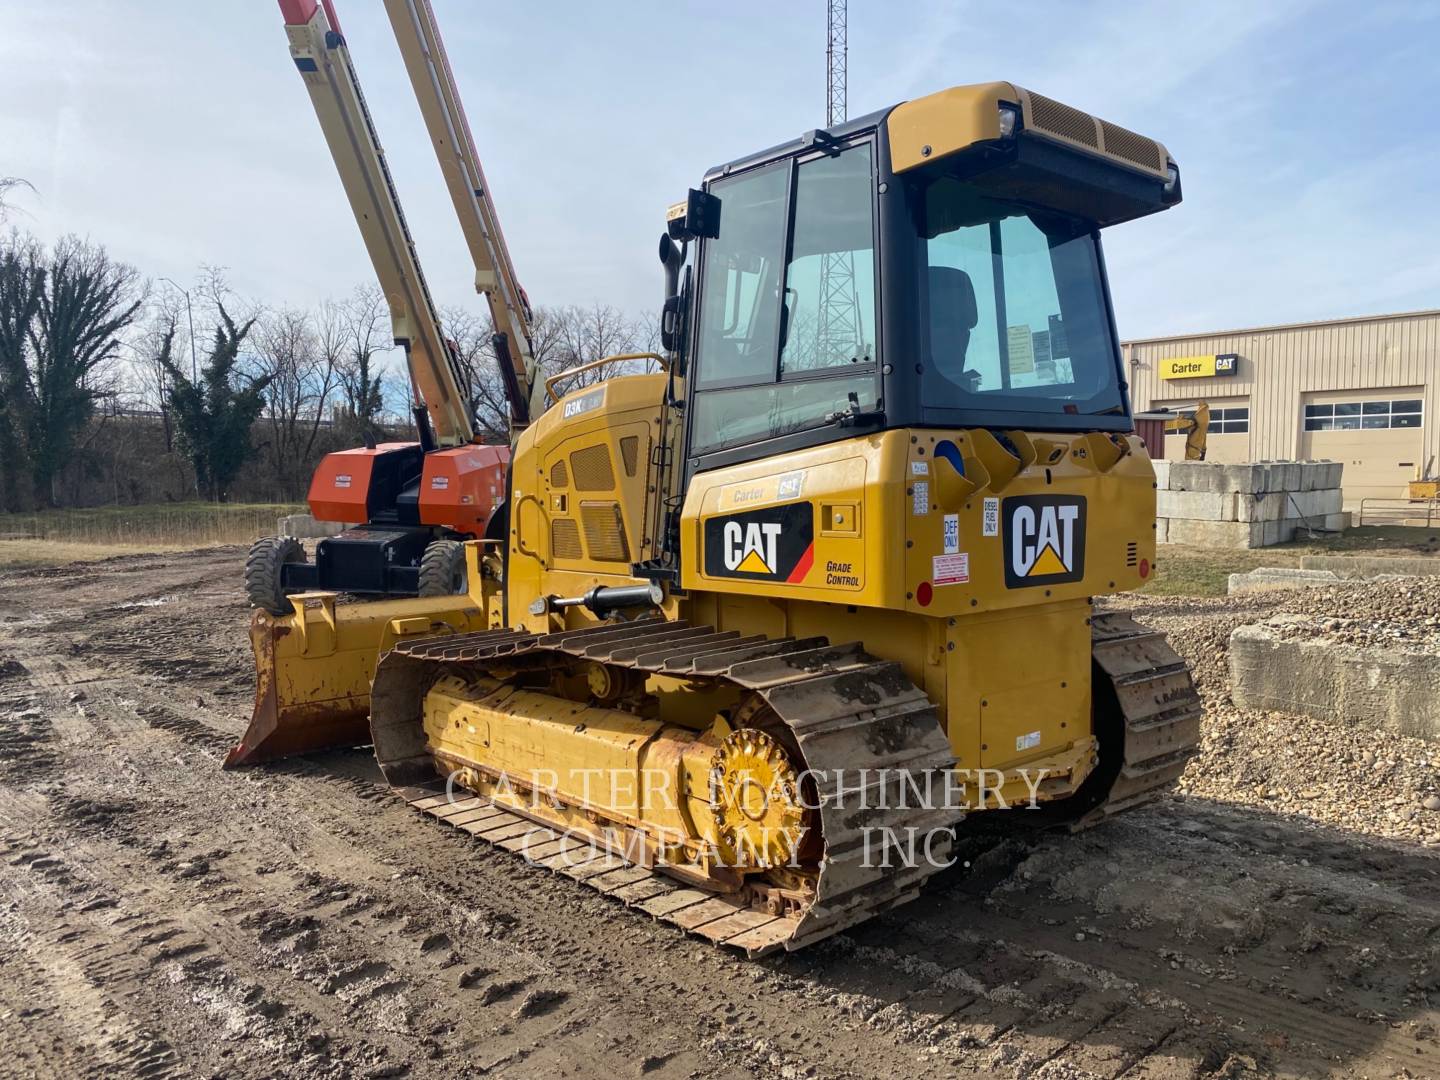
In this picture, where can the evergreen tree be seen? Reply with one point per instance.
(213, 417)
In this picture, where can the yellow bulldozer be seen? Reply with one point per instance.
(767, 623)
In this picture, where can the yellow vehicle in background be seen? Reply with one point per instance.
(752, 611)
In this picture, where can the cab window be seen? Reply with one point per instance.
(787, 337)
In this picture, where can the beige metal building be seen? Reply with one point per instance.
(1360, 391)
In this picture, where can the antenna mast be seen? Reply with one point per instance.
(841, 328)
(836, 48)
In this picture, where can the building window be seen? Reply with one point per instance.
(1229, 421)
(1362, 415)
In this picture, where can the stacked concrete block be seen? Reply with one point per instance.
(305, 527)
(1250, 505)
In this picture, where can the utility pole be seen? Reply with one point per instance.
(841, 327)
(189, 318)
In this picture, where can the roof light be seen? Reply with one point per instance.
(1172, 178)
(1009, 120)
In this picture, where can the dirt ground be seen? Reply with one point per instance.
(161, 918)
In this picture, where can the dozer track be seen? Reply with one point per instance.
(1157, 729)
(845, 709)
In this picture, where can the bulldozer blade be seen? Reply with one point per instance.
(314, 665)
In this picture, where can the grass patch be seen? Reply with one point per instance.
(165, 526)
(1182, 570)
(33, 553)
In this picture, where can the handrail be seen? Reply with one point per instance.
(1398, 509)
(616, 359)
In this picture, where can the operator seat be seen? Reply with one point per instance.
(953, 315)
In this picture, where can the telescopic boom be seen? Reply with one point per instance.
(324, 63)
(420, 44)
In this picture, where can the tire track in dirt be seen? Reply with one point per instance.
(296, 919)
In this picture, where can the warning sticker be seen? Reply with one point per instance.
(919, 468)
(343, 480)
(990, 525)
(439, 483)
(952, 534)
(921, 495)
(1027, 742)
(950, 569)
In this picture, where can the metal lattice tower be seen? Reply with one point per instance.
(836, 50)
(839, 330)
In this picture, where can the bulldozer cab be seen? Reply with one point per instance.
(935, 264)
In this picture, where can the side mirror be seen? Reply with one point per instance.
(670, 324)
(672, 320)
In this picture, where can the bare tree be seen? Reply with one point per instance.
(561, 338)
(87, 302)
(22, 279)
(8, 185)
(363, 323)
(297, 364)
(480, 376)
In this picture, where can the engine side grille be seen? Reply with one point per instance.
(604, 531)
(1132, 553)
(630, 453)
(559, 475)
(592, 469)
(565, 539)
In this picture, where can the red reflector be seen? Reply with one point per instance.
(1144, 568)
(924, 594)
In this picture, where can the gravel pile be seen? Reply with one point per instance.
(1411, 635)
(1348, 777)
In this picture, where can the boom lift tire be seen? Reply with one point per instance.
(263, 587)
(442, 568)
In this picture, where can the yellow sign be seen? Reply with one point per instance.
(1199, 367)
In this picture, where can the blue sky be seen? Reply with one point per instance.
(179, 134)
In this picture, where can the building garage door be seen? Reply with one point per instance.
(1377, 435)
(1228, 438)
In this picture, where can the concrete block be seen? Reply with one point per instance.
(1312, 475)
(1277, 532)
(1282, 476)
(1266, 578)
(1365, 566)
(1197, 476)
(1162, 530)
(1336, 522)
(1279, 505)
(1313, 504)
(305, 527)
(1204, 505)
(1330, 475)
(1271, 506)
(1248, 478)
(1392, 689)
(1162, 474)
(1236, 535)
